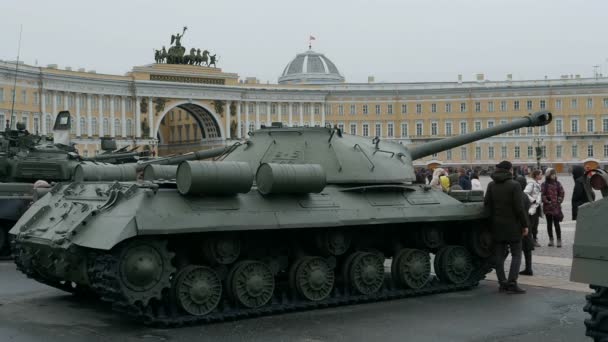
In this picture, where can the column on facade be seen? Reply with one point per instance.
(112, 118)
(247, 122)
(311, 108)
(301, 112)
(290, 113)
(228, 114)
(78, 128)
(150, 117)
(268, 114)
(257, 115)
(42, 113)
(238, 120)
(138, 117)
(279, 110)
(65, 102)
(123, 116)
(100, 117)
(323, 114)
(54, 110)
(89, 117)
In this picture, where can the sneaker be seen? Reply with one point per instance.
(526, 273)
(515, 289)
(502, 288)
(559, 243)
(550, 243)
(536, 244)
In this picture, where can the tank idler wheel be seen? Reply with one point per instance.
(312, 277)
(480, 241)
(144, 269)
(222, 250)
(198, 289)
(251, 283)
(430, 238)
(456, 264)
(333, 242)
(366, 272)
(411, 268)
(5, 248)
(597, 307)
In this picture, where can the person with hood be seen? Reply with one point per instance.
(463, 180)
(509, 223)
(436, 180)
(534, 195)
(579, 196)
(527, 243)
(552, 197)
(454, 178)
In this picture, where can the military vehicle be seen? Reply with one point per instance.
(26, 158)
(590, 254)
(315, 229)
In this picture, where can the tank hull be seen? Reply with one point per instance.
(91, 230)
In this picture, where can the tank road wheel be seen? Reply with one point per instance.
(222, 250)
(251, 283)
(145, 269)
(456, 264)
(334, 242)
(437, 264)
(430, 237)
(198, 290)
(480, 241)
(366, 272)
(313, 278)
(597, 307)
(411, 268)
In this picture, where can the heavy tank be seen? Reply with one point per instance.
(291, 219)
(590, 254)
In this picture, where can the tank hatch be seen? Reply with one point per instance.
(345, 158)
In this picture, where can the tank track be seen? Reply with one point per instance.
(104, 281)
(597, 307)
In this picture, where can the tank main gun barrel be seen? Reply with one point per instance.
(117, 156)
(174, 160)
(423, 150)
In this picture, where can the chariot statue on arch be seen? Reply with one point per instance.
(177, 53)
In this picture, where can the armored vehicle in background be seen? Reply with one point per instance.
(590, 254)
(293, 218)
(26, 158)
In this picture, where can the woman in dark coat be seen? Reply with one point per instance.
(553, 196)
(579, 196)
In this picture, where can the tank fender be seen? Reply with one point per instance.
(115, 230)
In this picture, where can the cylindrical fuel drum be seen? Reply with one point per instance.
(157, 172)
(213, 178)
(290, 178)
(105, 172)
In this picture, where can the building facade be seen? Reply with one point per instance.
(180, 108)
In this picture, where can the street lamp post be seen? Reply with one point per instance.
(539, 151)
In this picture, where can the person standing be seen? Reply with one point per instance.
(463, 180)
(527, 242)
(533, 190)
(579, 195)
(505, 204)
(475, 183)
(552, 197)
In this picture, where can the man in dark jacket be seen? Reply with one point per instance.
(509, 223)
(579, 196)
(463, 180)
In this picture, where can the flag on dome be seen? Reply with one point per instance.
(312, 38)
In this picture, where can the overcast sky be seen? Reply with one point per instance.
(396, 41)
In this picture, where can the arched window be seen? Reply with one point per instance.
(106, 127)
(94, 126)
(72, 125)
(129, 128)
(117, 127)
(49, 123)
(83, 126)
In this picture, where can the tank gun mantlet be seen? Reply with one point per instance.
(345, 158)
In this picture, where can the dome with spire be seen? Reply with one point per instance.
(310, 67)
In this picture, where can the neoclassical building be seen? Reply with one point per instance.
(180, 108)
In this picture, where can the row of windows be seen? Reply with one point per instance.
(34, 124)
(274, 107)
(23, 98)
(517, 152)
(503, 106)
